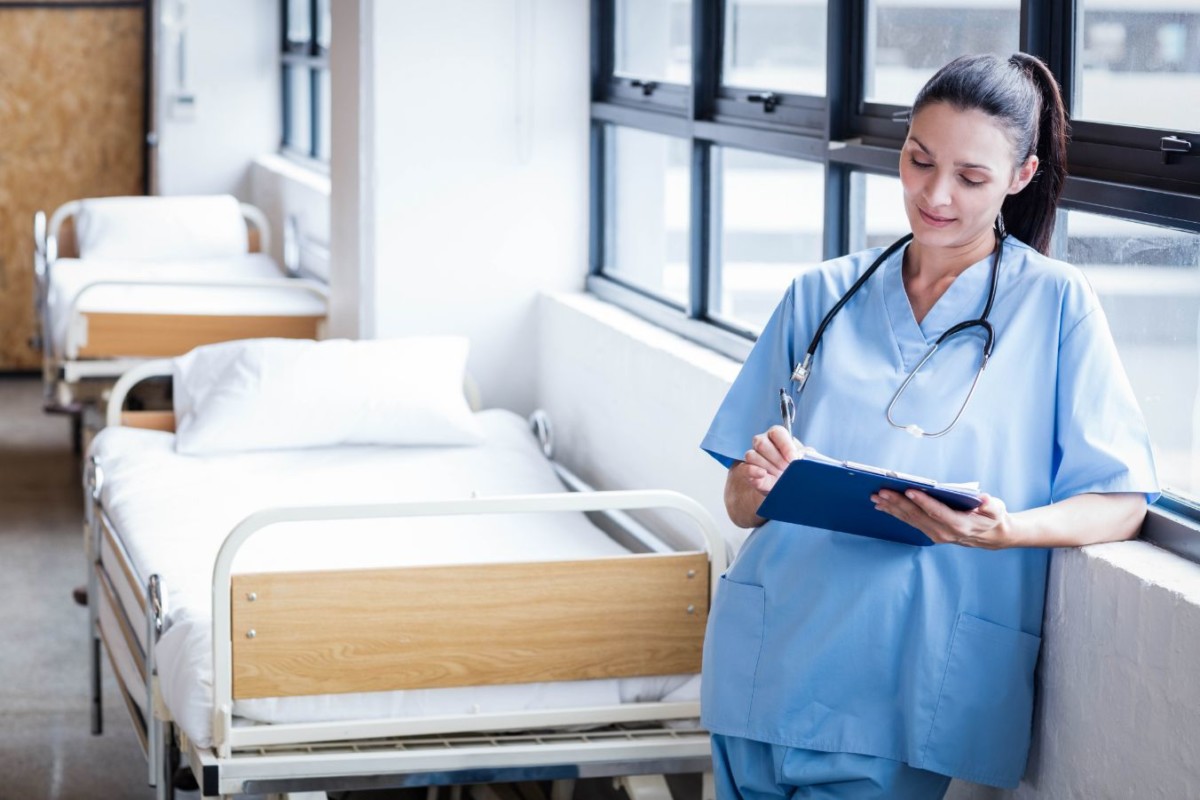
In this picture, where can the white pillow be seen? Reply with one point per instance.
(267, 394)
(160, 228)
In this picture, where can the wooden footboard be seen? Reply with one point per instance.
(111, 335)
(329, 632)
(430, 627)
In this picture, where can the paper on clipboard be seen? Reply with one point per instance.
(822, 492)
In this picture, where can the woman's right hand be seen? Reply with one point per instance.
(769, 456)
(750, 479)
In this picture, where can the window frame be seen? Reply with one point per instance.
(1116, 170)
(312, 56)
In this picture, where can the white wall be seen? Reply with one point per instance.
(471, 174)
(1119, 700)
(231, 65)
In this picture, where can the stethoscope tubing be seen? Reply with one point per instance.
(804, 369)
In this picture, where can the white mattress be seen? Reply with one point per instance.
(172, 513)
(70, 276)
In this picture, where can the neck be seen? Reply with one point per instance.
(927, 264)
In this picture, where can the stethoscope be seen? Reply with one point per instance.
(803, 370)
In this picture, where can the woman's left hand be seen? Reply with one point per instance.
(987, 526)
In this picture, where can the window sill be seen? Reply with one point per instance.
(311, 174)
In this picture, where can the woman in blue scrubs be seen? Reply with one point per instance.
(843, 666)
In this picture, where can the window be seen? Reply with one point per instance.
(1138, 64)
(907, 43)
(739, 142)
(305, 78)
(1148, 280)
(648, 219)
(769, 211)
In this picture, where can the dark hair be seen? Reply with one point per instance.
(1022, 95)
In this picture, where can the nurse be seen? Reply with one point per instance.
(842, 666)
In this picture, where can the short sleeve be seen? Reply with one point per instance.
(1101, 441)
(752, 403)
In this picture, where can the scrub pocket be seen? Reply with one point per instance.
(731, 649)
(983, 718)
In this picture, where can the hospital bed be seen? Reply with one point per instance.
(496, 630)
(122, 279)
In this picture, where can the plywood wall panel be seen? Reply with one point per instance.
(72, 88)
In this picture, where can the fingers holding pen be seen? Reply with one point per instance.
(772, 450)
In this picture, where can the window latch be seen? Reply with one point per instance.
(903, 117)
(647, 87)
(1173, 147)
(768, 99)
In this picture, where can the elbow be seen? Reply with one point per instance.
(1134, 517)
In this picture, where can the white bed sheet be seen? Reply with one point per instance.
(172, 513)
(69, 276)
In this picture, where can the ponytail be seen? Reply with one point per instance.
(1029, 214)
(1024, 97)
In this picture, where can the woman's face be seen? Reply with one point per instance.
(956, 168)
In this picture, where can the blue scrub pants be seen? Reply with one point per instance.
(748, 770)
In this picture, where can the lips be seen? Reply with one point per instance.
(935, 221)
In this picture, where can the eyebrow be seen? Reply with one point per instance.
(963, 164)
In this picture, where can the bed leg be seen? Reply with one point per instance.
(168, 761)
(97, 705)
(644, 787)
(562, 790)
(93, 599)
(92, 479)
(708, 787)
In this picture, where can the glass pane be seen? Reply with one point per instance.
(1148, 281)
(908, 41)
(654, 40)
(770, 212)
(647, 221)
(298, 108)
(324, 111)
(323, 24)
(1140, 66)
(777, 45)
(299, 22)
(877, 215)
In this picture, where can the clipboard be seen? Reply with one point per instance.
(836, 495)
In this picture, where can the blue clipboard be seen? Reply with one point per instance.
(838, 497)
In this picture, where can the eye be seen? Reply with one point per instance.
(970, 182)
(919, 164)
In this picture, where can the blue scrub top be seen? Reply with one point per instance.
(841, 643)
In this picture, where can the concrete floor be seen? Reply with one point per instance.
(46, 748)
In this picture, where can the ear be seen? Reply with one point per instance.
(1024, 175)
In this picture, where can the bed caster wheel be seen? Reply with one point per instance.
(184, 780)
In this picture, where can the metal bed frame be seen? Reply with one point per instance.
(71, 381)
(636, 739)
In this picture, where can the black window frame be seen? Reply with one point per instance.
(313, 56)
(1116, 170)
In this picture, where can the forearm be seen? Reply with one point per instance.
(1080, 520)
(742, 499)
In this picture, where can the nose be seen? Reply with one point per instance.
(937, 191)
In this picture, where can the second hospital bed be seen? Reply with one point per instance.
(123, 279)
(477, 627)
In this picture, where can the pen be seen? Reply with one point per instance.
(787, 409)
